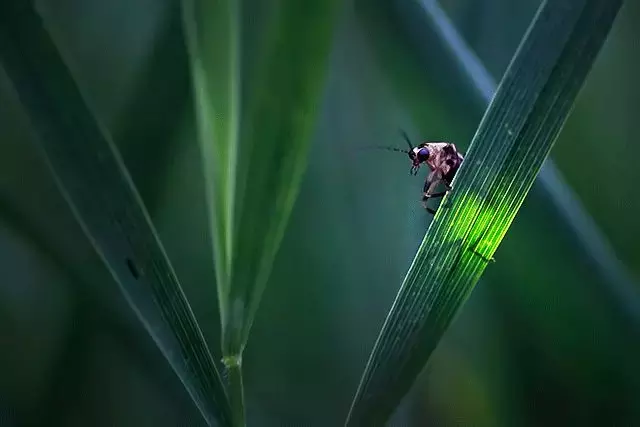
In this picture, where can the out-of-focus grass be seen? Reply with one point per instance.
(256, 106)
(568, 343)
(515, 136)
(91, 176)
(606, 151)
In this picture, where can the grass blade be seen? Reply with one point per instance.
(97, 186)
(593, 241)
(215, 46)
(515, 136)
(257, 88)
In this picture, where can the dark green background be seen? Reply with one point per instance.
(547, 338)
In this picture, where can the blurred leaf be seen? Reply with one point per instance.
(256, 104)
(216, 74)
(99, 190)
(515, 136)
(147, 121)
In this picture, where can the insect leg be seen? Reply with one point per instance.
(429, 185)
(436, 195)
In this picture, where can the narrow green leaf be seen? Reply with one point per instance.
(95, 183)
(515, 136)
(277, 123)
(214, 50)
(257, 89)
(254, 134)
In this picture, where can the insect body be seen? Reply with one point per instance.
(443, 160)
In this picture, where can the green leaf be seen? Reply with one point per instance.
(94, 181)
(515, 136)
(150, 112)
(258, 70)
(214, 52)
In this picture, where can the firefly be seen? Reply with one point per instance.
(443, 160)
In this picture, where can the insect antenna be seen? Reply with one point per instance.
(385, 147)
(406, 138)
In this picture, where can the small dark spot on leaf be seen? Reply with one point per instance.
(133, 269)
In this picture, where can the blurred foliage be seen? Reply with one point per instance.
(99, 191)
(542, 341)
(256, 106)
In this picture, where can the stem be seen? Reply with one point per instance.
(236, 389)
